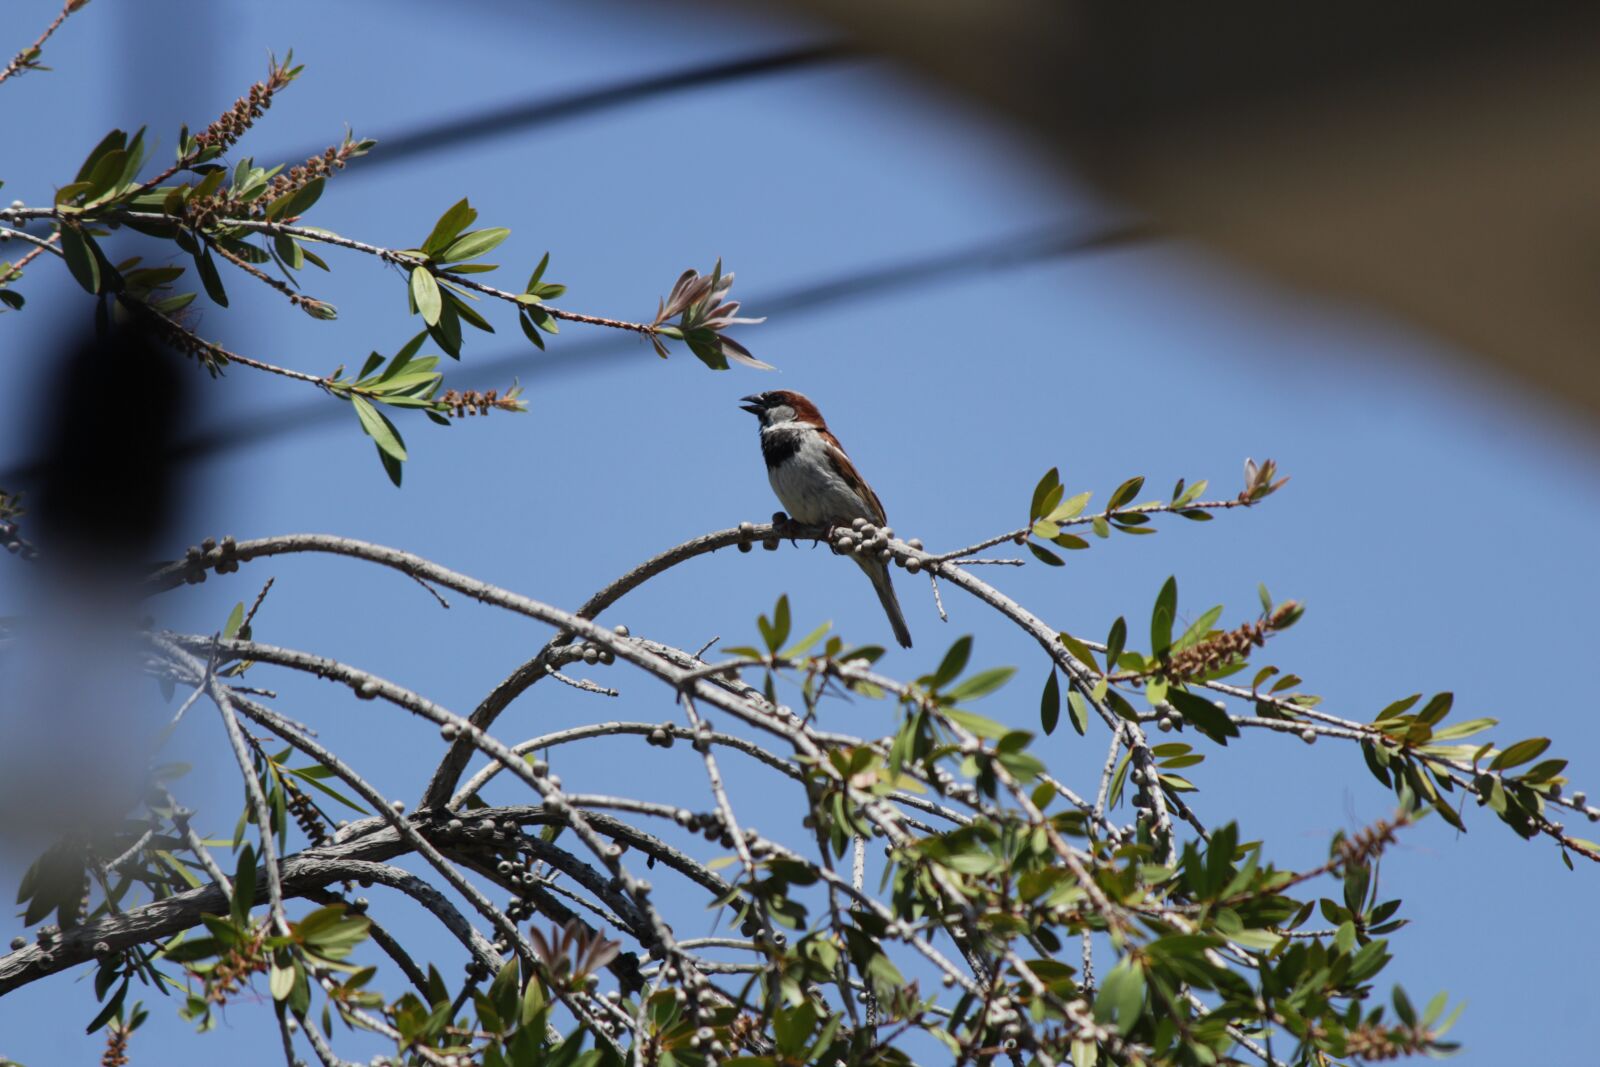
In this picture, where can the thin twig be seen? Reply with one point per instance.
(24, 60)
(583, 684)
(443, 603)
(938, 601)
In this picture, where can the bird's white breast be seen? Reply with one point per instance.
(810, 490)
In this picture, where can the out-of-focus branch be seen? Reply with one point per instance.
(28, 58)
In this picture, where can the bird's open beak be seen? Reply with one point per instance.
(752, 404)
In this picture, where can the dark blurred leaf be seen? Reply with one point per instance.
(244, 886)
(1115, 641)
(1203, 715)
(1050, 703)
(206, 267)
(1048, 484)
(1162, 616)
(82, 262)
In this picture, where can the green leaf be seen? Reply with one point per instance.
(177, 867)
(793, 1026)
(1050, 703)
(800, 647)
(116, 139)
(1256, 940)
(1048, 484)
(776, 632)
(457, 217)
(1203, 715)
(1399, 707)
(107, 171)
(379, 428)
(391, 467)
(1045, 556)
(474, 244)
(425, 293)
(281, 981)
(318, 921)
(1543, 771)
(289, 251)
(1162, 616)
(109, 1009)
(1448, 814)
(954, 662)
(538, 272)
(1121, 997)
(1078, 708)
(79, 249)
(1070, 508)
(1403, 1008)
(1115, 641)
(530, 331)
(982, 683)
(979, 725)
(306, 774)
(781, 620)
(297, 203)
(465, 310)
(543, 319)
(336, 938)
(1437, 708)
(1080, 651)
(244, 886)
(1124, 493)
(408, 352)
(1520, 753)
(1464, 729)
(447, 332)
(206, 267)
(174, 303)
(1197, 630)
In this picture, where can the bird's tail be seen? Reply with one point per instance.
(878, 572)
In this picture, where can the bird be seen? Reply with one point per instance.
(816, 482)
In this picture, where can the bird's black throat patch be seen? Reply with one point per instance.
(778, 446)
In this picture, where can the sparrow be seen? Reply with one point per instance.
(816, 482)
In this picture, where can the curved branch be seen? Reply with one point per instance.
(454, 763)
(610, 729)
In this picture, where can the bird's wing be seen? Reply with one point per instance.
(847, 472)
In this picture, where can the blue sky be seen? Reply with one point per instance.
(1438, 525)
